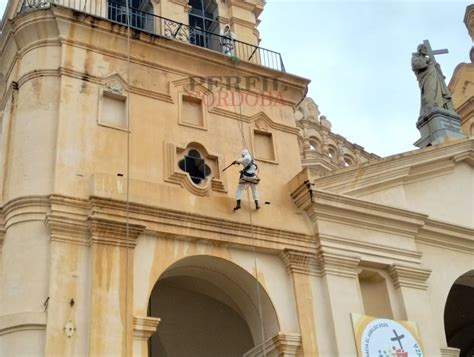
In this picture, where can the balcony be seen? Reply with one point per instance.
(147, 22)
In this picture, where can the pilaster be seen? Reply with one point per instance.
(450, 352)
(143, 328)
(411, 286)
(303, 266)
(340, 279)
(243, 17)
(280, 345)
(409, 277)
(111, 263)
(339, 265)
(69, 278)
(301, 262)
(24, 276)
(114, 233)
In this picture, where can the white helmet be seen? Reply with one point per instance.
(244, 152)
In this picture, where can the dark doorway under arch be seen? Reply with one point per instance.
(208, 307)
(459, 315)
(192, 322)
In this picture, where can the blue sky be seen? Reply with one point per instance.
(357, 55)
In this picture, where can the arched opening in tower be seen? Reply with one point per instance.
(208, 307)
(459, 315)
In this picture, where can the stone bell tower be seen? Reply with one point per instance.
(117, 122)
(461, 84)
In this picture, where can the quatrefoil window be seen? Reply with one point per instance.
(195, 166)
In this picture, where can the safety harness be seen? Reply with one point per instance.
(246, 177)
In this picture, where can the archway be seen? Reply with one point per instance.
(208, 307)
(459, 315)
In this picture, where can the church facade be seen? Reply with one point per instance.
(119, 120)
(461, 83)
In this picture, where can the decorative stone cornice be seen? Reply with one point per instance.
(23, 209)
(301, 262)
(447, 236)
(300, 188)
(467, 157)
(171, 222)
(236, 21)
(28, 76)
(330, 207)
(249, 119)
(279, 345)
(370, 251)
(67, 221)
(68, 229)
(114, 233)
(339, 265)
(394, 170)
(249, 5)
(144, 327)
(22, 321)
(409, 277)
(450, 352)
(167, 51)
(2, 234)
(103, 82)
(180, 2)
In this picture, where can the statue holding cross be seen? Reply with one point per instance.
(434, 91)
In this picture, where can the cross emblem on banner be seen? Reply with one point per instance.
(397, 338)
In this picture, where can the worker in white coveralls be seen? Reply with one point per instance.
(248, 177)
(227, 41)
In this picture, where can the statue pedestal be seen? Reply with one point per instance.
(438, 126)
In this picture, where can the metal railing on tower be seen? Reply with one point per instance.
(144, 21)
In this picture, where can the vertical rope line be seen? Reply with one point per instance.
(127, 189)
(252, 237)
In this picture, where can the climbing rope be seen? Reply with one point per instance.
(252, 236)
(127, 189)
(127, 207)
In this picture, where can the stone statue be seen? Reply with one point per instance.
(434, 92)
(438, 122)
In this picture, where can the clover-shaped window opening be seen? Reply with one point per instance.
(195, 166)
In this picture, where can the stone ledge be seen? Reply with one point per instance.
(144, 326)
(339, 265)
(409, 277)
(279, 345)
(22, 321)
(450, 352)
(115, 233)
(301, 262)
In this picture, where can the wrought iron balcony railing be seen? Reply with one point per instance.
(157, 25)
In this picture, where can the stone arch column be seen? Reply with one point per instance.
(111, 258)
(230, 285)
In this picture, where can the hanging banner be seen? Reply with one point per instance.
(385, 338)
